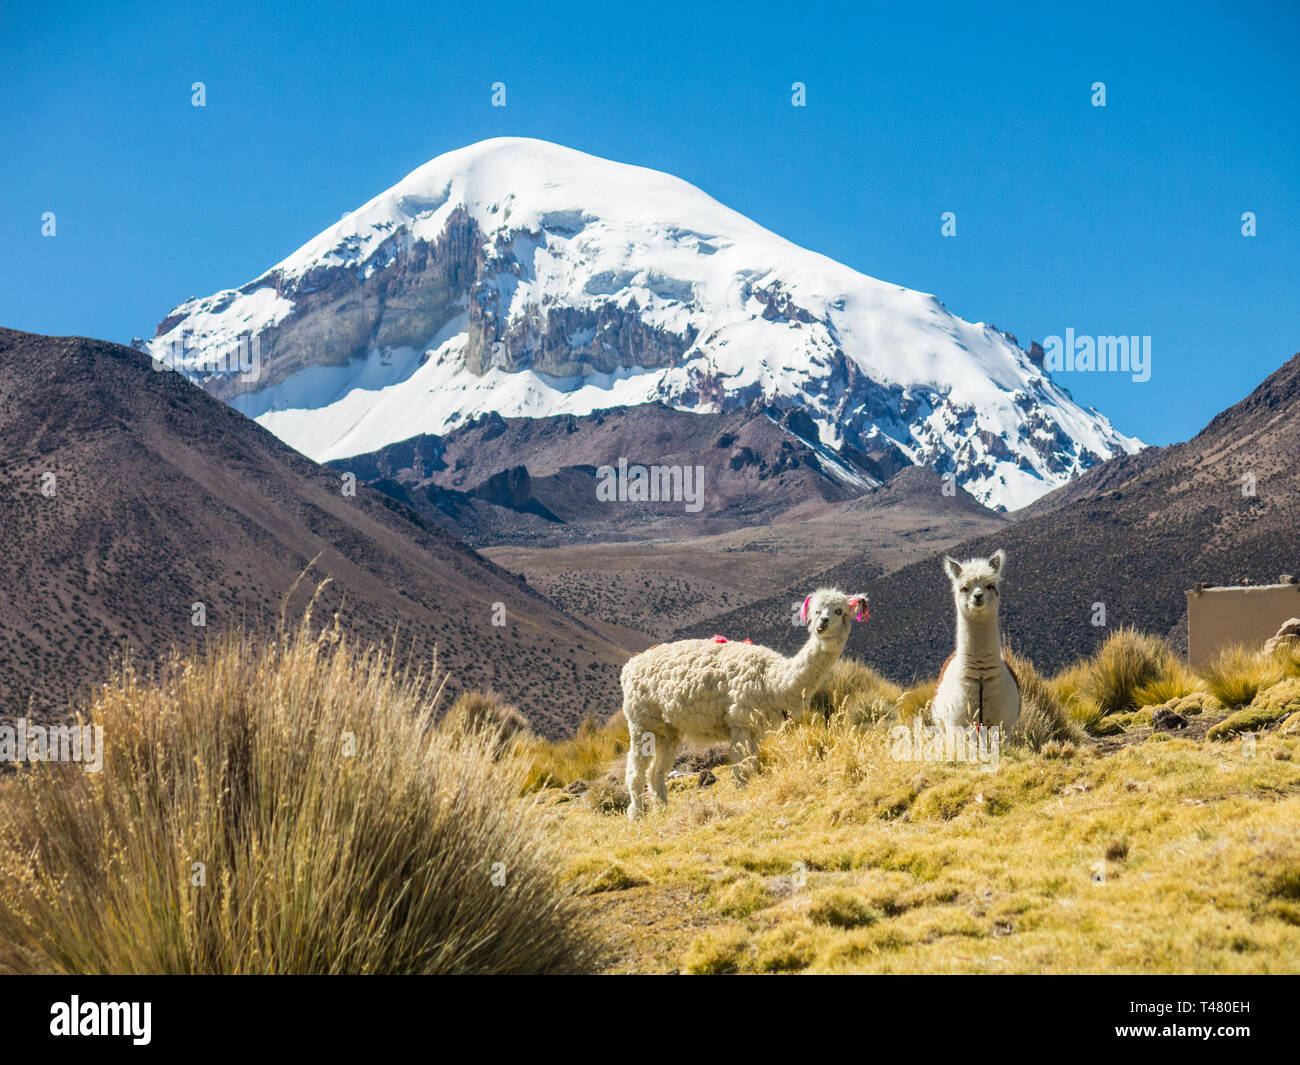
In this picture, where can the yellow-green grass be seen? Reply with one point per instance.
(1043, 717)
(282, 806)
(1169, 855)
(1275, 703)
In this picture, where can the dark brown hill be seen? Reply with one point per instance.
(534, 481)
(129, 495)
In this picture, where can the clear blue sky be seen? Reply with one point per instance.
(1117, 220)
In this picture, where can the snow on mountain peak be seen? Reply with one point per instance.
(526, 278)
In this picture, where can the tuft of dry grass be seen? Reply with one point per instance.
(1043, 718)
(281, 806)
(1237, 674)
(483, 716)
(1127, 665)
(609, 796)
(858, 693)
(585, 755)
(841, 909)
(1177, 682)
(916, 702)
(1130, 671)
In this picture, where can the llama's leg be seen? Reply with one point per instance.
(634, 776)
(743, 750)
(663, 762)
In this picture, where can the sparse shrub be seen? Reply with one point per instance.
(1067, 686)
(584, 756)
(484, 714)
(916, 701)
(1176, 683)
(1237, 674)
(1117, 850)
(717, 952)
(1285, 885)
(614, 878)
(783, 950)
(340, 831)
(1287, 657)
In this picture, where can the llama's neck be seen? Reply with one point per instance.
(977, 640)
(803, 674)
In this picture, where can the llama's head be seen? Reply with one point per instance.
(975, 583)
(829, 613)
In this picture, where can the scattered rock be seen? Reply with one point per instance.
(577, 787)
(1187, 705)
(1164, 720)
(1287, 636)
(706, 778)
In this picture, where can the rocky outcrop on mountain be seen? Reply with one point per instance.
(526, 480)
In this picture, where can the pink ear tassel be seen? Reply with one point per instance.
(803, 614)
(864, 611)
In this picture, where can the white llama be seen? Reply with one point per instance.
(716, 690)
(976, 687)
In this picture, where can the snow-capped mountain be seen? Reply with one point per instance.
(530, 279)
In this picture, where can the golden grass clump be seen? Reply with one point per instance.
(484, 717)
(1177, 682)
(1237, 674)
(1287, 657)
(1128, 666)
(281, 806)
(585, 755)
(1043, 718)
(1068, 687)
(916, 702)
(857, 692)
(1131, 670)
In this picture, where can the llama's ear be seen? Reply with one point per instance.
(996, 561)
(861, 609)
(952, 566)
(803, 614)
